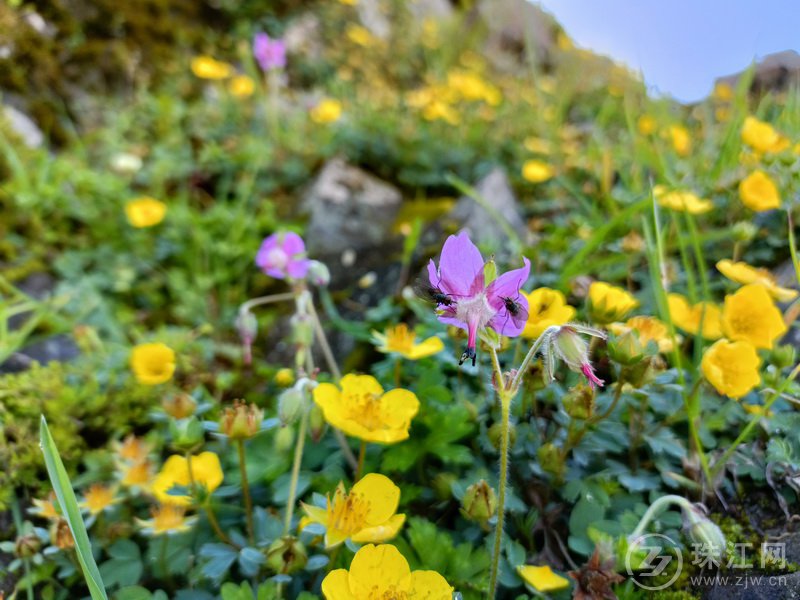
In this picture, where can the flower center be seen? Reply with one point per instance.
(475, 309)
(277, 258)
(348, 513)
(366, 409)
(400, 339)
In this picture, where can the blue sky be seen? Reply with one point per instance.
(681, 46)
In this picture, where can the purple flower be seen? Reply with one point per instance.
(270, 54)
(283, 255)
(464, 300)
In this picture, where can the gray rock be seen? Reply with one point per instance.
(372, 16)
(776, 71)
(516, 29)
(349, 209)
(23, 126)
(490, 226)
(58, 347)
(303, 36)
(437, 9)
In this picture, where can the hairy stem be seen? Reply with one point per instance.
(298, 458)
(248, 501)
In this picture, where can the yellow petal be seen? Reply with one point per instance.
(336, 585)
(542, 579)
(379, 570)
(207, 471)
(380, 533)
(334, 537)
(429, 347)
(361, 384)
(382, 495)
(399, 406)
(731, 367)
(750, 314)
(315, 513)
(428, 585)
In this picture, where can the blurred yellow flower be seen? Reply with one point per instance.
(681, 200)
(741, 272)
(153, 363)
(349, 2)
(137, 475)
(681, 142)
(284, 377)
(472, 87)
(761, 136)
(689, 317)
(758, 192)
(723, 92)
(608, 303)
(206, 67)
(751, 315)
(438, 110)
(649, 329)
(242, 86)
(731, 367)
(646, 125)
(327, 111)
(359, 35)
(546, 307)
(757, 409)
(98, 498)
(400, 340)
(538, 145)
(366, 514)
(166, 519)
(382, 572)
(542, 579)
(133, 449)
(206, 472)
(537, 171)
(45, 508)
(362, 410)
(145, 211)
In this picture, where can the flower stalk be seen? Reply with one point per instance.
(248, 500)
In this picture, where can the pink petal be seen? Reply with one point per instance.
(508, 285)
(508, 325)
(588, 372)
(292, 243)
(460, 265)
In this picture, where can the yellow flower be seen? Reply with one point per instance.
(206, 67)
(750, 314)
(400, 340)
(98, 498)
(649, 329)
(137, 475)
(689, 317)
(723, 92)
(609, 303)
(167, 519)
(153, 363)
(681, 200)
(382, 572)
(206, 472)
(731, 367)
(542, 579)
(538, 145)
(759, 192)
(362, 410)
(242, 86)
(366, 514)
(133, 449)
(546, 307)
(145, 211)
(681, 142)
(471, 87)
(284, 377)
(741, 272)
(761, 136)
(349, 2)
(327, 111)
(537, 171)
(757, 409)
(438, 110)
(646, 125)
(45, 508)
(359, 35)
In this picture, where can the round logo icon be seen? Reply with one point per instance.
(648, 557)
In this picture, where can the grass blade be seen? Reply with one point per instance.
(69, 507)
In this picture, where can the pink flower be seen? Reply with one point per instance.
(270, 54)
(283, 255)
(564, 342)
(464, 300)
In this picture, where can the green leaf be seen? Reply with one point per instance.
(133, 592)
(69, 507)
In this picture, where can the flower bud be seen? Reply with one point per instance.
(302, 330)
(479, 502)
(704, 531)
(783, 356)
(247, 326)
(316, 423)
(489, 271)
(495, 434)
(241, 421)
(284, 377)
(26, 546)
(284, 437)
(744, 231)
(179, 405)
(187, 434)
(626, 349)
(550, 459)
(566, 343)
(318, 273)
(291, 405)
(61, 536)
(579, 401)
(286, 555)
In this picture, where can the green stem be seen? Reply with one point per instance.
(362, 454)
(298, 458)
(720, 464)
(248, 501)
(655, 508)
(212, 519)
(792, 245)
(505, 417)
(698, 257)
